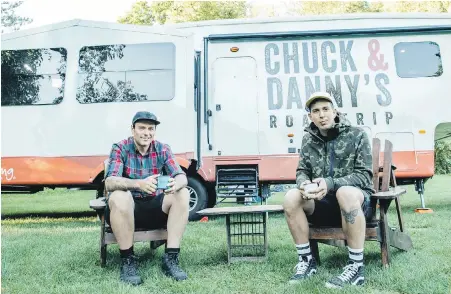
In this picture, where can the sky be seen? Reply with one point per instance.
(45, 12)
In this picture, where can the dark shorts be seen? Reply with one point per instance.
(148, 213)
(327, 211)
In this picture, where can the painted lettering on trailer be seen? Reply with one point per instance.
(7, 174)
(307, 67)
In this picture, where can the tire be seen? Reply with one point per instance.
(198, 198)
(99, 191)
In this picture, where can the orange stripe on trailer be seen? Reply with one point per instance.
(410, 167)
(71, 170)
(49, 170)
(282, 167)
(183, 162)
(84, 169)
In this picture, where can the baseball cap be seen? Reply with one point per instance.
(316, 96)
(145, 115)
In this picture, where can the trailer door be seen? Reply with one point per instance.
(234, 104)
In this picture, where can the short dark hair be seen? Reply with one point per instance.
(319, 100)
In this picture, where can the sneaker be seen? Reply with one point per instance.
(304, 269)
(129, 273)
(171, 267)
(352, 275)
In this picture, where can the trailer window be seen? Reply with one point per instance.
(33, 76)
(418, 59)
(126, 73)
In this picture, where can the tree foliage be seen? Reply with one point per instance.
(10, 20)
(141, 13)
(339, 7)
(443, 157)
(334, 7)
(162, 12)
(417, 6)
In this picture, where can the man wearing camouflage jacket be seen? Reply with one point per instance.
(334, 184)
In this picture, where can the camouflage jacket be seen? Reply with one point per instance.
(344, 158)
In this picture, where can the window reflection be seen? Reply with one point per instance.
(126, 73)
(33, 76)
(418, 59)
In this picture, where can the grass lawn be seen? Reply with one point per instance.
(61, 255)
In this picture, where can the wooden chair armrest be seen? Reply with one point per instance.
(390, 194)
(97, 204)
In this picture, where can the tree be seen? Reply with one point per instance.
(417, 6)
(333, 7)
(162, 12)
(9, 18)
(141, 13)
(319, 7)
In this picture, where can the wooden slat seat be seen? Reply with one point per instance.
(393, 193)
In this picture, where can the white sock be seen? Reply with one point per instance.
(356, 255)
(304, 251)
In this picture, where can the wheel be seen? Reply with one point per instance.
(100, 191)
(198, 198)
(100, 194)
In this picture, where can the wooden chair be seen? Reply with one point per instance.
(377, 229)
(155, 237)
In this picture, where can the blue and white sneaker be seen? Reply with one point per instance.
(304, 269)
(352, 275)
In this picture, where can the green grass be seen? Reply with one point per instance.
(48, 201)
(61, 255)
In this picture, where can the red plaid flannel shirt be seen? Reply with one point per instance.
(126, 161)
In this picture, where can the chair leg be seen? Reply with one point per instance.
(383, 226)
(103, 253)
(398, 211)
(103, 249)
(315, 250)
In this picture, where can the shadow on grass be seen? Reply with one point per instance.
(49, 215)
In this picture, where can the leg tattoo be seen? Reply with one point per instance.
(350, 216)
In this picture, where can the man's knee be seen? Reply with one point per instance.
(292, 200)
(120, 201)
(182, 197)
(349, 197)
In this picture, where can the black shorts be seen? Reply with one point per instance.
(327, 211)
(148, 213)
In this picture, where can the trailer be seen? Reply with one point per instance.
(230, 95)
(387, 72)
(70, 90)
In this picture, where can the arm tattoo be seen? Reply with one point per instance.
(119, 183)
(350, 216)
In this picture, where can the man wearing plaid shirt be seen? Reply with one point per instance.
(134, 200)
